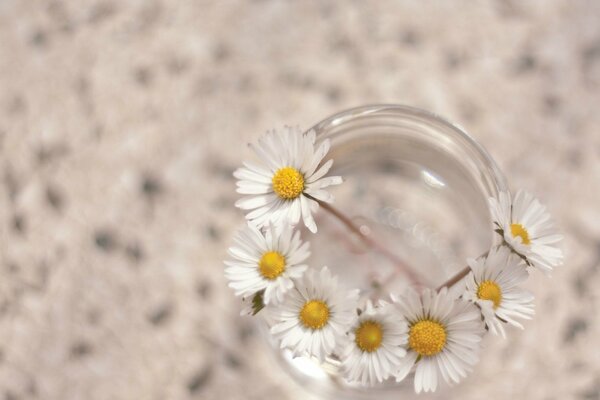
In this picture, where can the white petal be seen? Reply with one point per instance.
(251, 202)
(406, 365)
(307, 217)
(320, 172)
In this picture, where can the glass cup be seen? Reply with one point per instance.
(415, 184)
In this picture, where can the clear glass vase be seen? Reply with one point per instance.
(417, 185)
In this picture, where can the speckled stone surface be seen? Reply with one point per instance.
(120, 125)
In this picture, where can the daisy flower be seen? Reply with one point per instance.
(443, 338)
(527, 228)
(315, 315)
(266, 261)
(375, 345)
(492, 285)
(289, 180)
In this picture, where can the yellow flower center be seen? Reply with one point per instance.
(288, 183)
(427, 337)
(314, 314)
(271, 264)
(369, 336)
(520, 231)
(489, 290)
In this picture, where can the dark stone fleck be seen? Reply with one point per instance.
(54, 198)
(43, 272)
(39, 38)
(97, 131)
(591, 53)
(150, 14)
(296, 80)
(46, 154)
(223, 202)
(60, 252)
(101, 12)
(161, 314)
(12, 267)
(199, 380)
(469, 110)
(221, 170)
(245, 83)
(60, 16)
(221, 53)
(508, 9)
(592, 393)
(326, 9)
(82, 86)
(246, 332)
(526, 63)
(341, 44)
(143, 76)
(580, 284)
(80, 349)
(590, 59)
(12, 184)
(552, 103)
(582, 279)
(204, 289)
(19, 225)
(93, 316)
(334, 94)
(8, 395)
(574, 157)
(105, 240)
(410, 38)
(4, 307)
(57, 11)
(150, 186)
(134, 252)
(575, 327)
(16, 105)
(177, 65)
(213, 233)
(32, 388)
(233, 361)
(453, 60)
(207, 85)
(66, 26)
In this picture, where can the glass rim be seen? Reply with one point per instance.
(347, 115)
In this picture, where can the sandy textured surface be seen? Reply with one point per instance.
(120, 125)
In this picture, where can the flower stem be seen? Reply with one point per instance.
(369, 241)
(454, 279)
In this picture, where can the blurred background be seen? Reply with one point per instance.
(122, 121)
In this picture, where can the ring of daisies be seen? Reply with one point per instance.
(432, 332)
